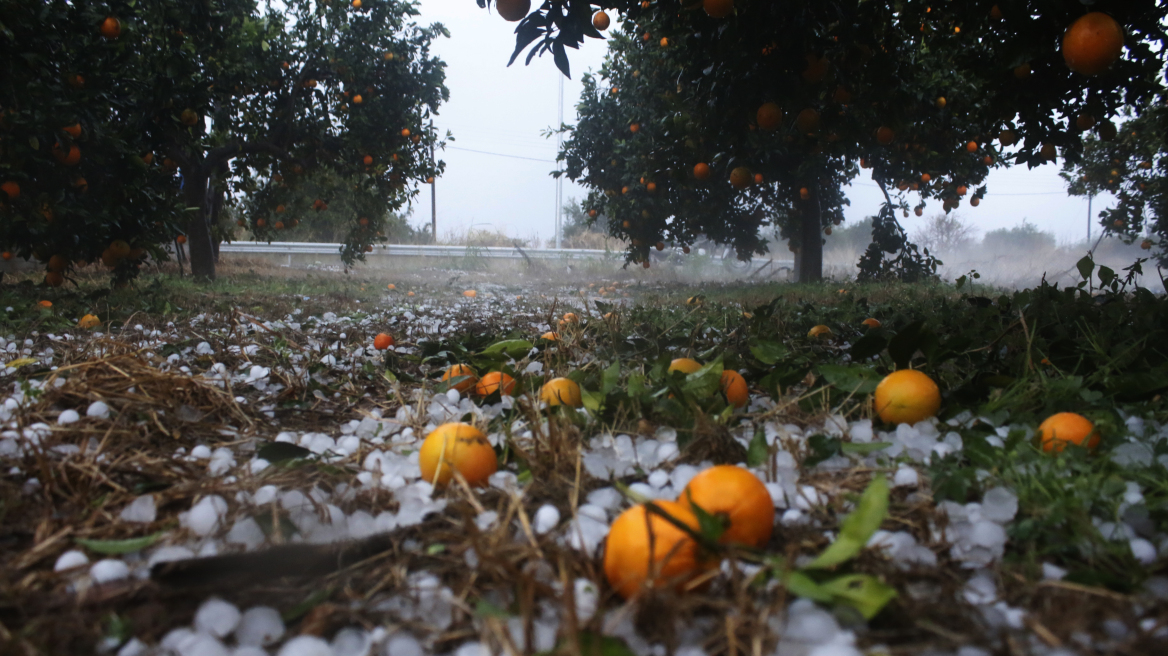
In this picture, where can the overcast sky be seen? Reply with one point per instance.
(500, 112)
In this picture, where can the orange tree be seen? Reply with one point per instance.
(1130, 162)
(76, 187)
(926, 96)
(221, 99)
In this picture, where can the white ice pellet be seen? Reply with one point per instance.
(659, 478)
(545, 519)
(169, 554)
(245, 532)
(68, 417)
(1144, 551)
(259, 626)
(134, 647)
(98, 410)
(305, 645)
(471, 649)
(217, 617)
(587, 599)
(999, 505)
(402, 644)
(906, 477)
(140, 510)
(1051, 572)
(69, 560)
(110, 569)
(206, 515)
(351, 642)
(201, 452)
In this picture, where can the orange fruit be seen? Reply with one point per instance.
(1145, 244)
(971, 147)
(871, 322)
(391, 286)
(651, 188)
(111, 28)
(975, 201)
(962, 190)
(279, 225)
(685, 365)
(919, 211)
(601, 21)
(804, 193)
(925, 177)
(758, 179)
(701, 171)
(561, 391)
(664, 42)
(733, 493)
(58, 263)
(457, 447)
(995, 13)
(356, 4)
(409, 293)
(88, 321)
(458, 370)
(550, 336)
(820, 330)
(734, 388)
(907, 397)
(1064, 428)
(382, 341)
(941, 102)
(6, 255)
(645, 548)
(261, 223)
(718, 8)
(884, 135)
(1022, 71)
(495, 380)
(1092, 43)
(45, 304)
(513, 10)
(659, 245)
(54, 279)
(571, 317)
(368, 160)
(1007, 137)
(470, 293)
(842, 95)
(74, 131)
(363, 221)
(12, 189)
(181, 239)
(634, 128)
(70, 158)
(741, 177)
(769, 116)
(807, 120)
(1084, 121)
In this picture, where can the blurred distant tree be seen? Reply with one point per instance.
(1024, 237)
(945, 233)
(577, 221)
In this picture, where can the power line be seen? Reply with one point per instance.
(483, 152)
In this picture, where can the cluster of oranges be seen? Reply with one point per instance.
(733, 385)
(647, 547)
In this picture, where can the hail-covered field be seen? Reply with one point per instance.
(246, 480)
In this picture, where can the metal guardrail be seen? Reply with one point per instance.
(410, 250)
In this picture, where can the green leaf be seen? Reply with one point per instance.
(513, 348)
(115, 547)
(822, 447)
(610, 378)
(801, 585)
(591, 400)
(705, 381)
(301, 609)
(265, 46)
(758, 451)
(854, 379)
(862, 448)
(275, 452)
(768, 352)
(1085, 266)
(484, 608)
(865, 593)
(858, 527)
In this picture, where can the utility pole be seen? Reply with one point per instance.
(433, 192)
(1089, 199)
(560, 180)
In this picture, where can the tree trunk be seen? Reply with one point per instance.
(202, 254)
(216, 210)
(809, 258)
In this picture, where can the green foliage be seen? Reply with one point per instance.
(1133, 166)
(226, 94)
